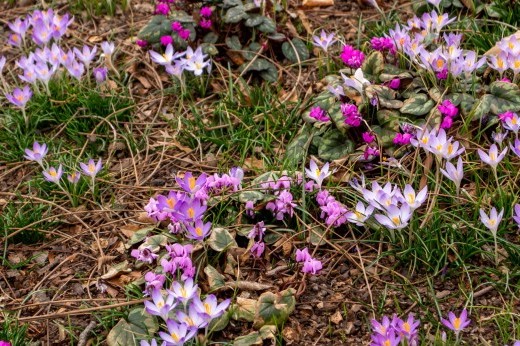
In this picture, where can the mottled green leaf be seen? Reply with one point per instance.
(507, 97)
(316, 236)
(389, 118)
(250, 195)
(143, 320)
(140, 235)
(482, 106)
(157, 27)
(231, 3)
(295, 52)
(220, 239)
(219, 323)
(244, 309)
(139, 326)
(296, 150)
(277, 36)
(384, 95)
(267, 26)
(385, 136)
(210, 37)
(251, 51)
(419, 104)
(373, 64)
(235, 14)
(334, 145)
(215, 279)
(254, 20)
(250, 339)
(233, 42)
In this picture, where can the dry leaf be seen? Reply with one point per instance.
(336, 318)
(318, 3)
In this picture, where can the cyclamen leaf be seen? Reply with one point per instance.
(139, 325)
(296, 150)
(275, 308)
(419, 104)
(215, 279)
(297, 53)
(235, 14)
(374, 64)
(267, 26)
(233, 42)
(334, 145)
(220, 239)
(254, 20)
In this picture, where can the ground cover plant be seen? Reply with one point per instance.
(248, 173)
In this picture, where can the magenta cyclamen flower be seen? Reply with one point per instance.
(38, 153)
(368, 137)
(205, 23)
(53, 175)
(312, 266)
(448, 109)
(4, 343)
(20, 97)
(162, 9)
(257, 249)
(206, 11)
(144, 254)
(457, 324)
(382, 44)
(154, 281)
(91, 168)
(166, 40)
(402, 138)
(351, 114)
(302, 255)
(319, 114)
(352, 57)
(177, 26)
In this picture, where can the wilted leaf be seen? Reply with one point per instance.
(334, 145)
(215, 279)
(275, 308)
(374, 64)
(248, 340)
(116, 270)
(220, 239)
(295, 52)
(244, 310)
(420, 104)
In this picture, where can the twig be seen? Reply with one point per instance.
(83, 336)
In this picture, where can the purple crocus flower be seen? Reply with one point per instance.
(209, 308)
(516, 217)
(178, 333)
(396, 218)
(60, 25)
(493, 220)
(159, 306)
(86, 55)
(390, 339)
(191, 184)
(199, 230)
(91, 168)
(20, 97)
(19, 26)
(73, 178)
(108, 48)
(493, 158)
(152, 342)
(457, 324)
(37, 153)
(408, 329)
(53, 175)
(100, 74)
(324, 41)
(76, 69)
(453, 173)
(381, 328)
(184, 291)
(192, 210)
(192, 319)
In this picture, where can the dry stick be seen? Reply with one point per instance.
(86, 311)
(82, 341)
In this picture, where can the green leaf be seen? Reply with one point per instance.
(215, 279)
(235, 14)
(231, 3)
(507, 97)
(139, 326)
(210, 37)
(334, 145)
(374, 64)
(275, 308)
(482, 106)
(220, 239)
(140, 235)
(384, 95)
(250, 195)
(420, 104)
(267, 26)
(384, 135)
(254, 20)
(389, 119)
(157, 27)
(277, 36)
(316, 236)
(156, 241)
(233, 42)
(297, 149)
(251, 51)
(143, 320)
(297, 53)
(265, 68)
(219, 323)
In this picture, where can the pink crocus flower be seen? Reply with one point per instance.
(184, 291)
(209, 308)
(37, 153)
(453, 173)
(20, 97)
(53, 175)
(493, 220)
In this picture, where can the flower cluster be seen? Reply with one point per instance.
(382, 44)
(448, 58)
(438, 143)
(175, 63)
(449, 111)
(182, 309)
(310, 264)
(391, 332)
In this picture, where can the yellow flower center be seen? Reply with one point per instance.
(160, 305)
(175, 337)
(317, 172)
(411, 198)
(198, 230)
(492, 222)
(207, 308)
(407, 327)
(492, 156)
(191, 183)
(396, 220)
(450, 148)
(191, 212)
(171, 203)
(53, 173)
(456, 323)
(91, 167)
(387, 343)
